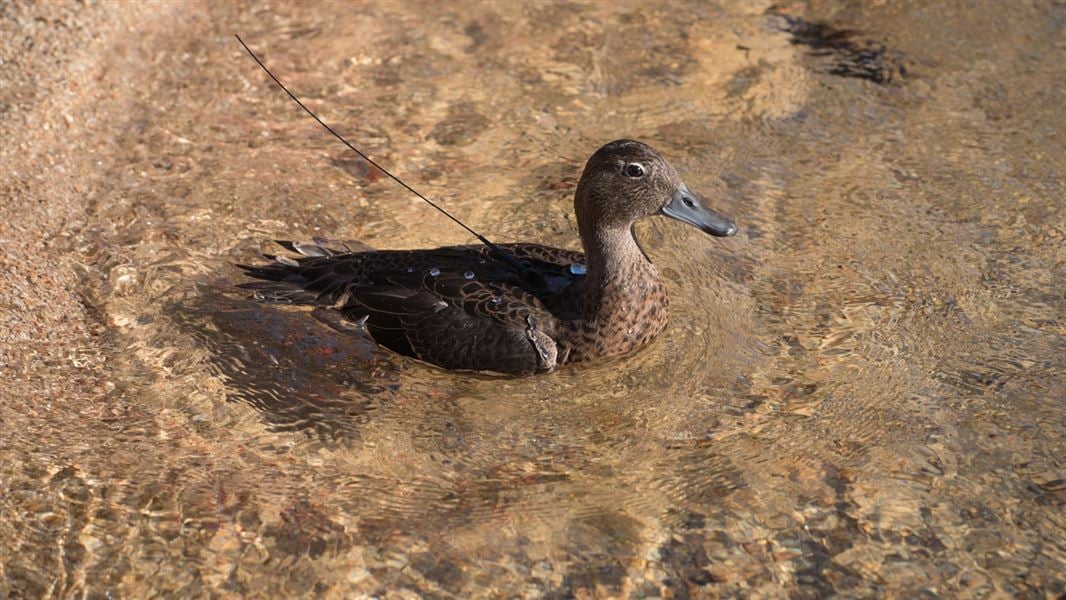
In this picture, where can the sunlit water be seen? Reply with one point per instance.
(861, 393)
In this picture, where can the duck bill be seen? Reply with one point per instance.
(691, 208)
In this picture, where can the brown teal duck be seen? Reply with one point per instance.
(463, 307)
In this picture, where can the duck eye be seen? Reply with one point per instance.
(634, 170)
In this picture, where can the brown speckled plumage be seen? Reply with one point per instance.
(461, 307)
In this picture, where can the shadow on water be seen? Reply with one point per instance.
(295, 370)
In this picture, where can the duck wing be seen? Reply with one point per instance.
(458, 323)
(323, 274)
(456, 307)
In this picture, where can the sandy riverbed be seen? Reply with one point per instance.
(861, 393)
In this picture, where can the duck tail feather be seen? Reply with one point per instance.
(304, 248)
(287, 244)
(322, 247)
(280, 292)
(274, 271)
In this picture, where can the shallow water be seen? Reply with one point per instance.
(861, 393)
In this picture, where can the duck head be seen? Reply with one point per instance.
(627, 180)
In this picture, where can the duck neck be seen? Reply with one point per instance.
(611, 252)
(619, 274)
